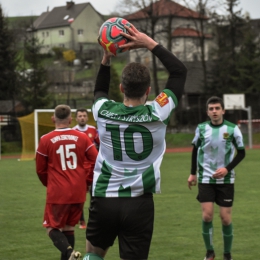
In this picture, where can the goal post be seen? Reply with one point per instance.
(38, 123)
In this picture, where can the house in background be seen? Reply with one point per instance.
(73, 26)
(178, 29)
(175, 27)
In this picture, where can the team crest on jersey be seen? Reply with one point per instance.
(90, 135)
(162, 99)
(225, 135)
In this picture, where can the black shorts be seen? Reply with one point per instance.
(222, 194)
(131, 219)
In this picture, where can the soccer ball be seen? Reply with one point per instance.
(109, 35)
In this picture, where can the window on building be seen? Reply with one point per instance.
(61, 32)
(138, 59)
(196, 42)
(43, 34)
(80, 32)
(62, 45)
(47, 34)
(195, 57)
(177, 42)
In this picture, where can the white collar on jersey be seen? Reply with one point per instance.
(62, 129)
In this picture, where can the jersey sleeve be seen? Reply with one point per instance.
(42, 163)
(96, 106)
(96, 139)
(238, 139)
(196, 139)
(91, 155)
(164, 104)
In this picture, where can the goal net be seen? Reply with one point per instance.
(246, 128)
(39, 123)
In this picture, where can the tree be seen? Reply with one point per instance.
(148, 26)
(34, 84)
(114, 92)
(236, 68)
(58, 52)
(8, 62)
(165, 20)
(69, 56)
(247, 78)
(204, 9)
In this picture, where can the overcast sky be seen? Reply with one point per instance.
(36, 7)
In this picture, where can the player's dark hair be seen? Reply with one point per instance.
(81, 110)
(62, 112)
(215, 100)
(135, 80)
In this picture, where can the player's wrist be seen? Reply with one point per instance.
(151, 44)
(106, 61)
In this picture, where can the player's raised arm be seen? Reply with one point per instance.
(177, 70)
(103, 77)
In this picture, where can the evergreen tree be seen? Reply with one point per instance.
(236, 67)
(248, 66)
(34, 83)
(8, 62)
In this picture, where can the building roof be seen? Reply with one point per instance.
(40, 19)
(60, 16)
(165, 8)
(188, 32)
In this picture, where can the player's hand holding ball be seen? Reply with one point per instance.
(137, 39)
(110, 37)
(117, 35)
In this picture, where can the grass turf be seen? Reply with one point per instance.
(177, 227)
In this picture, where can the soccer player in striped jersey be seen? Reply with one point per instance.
(213, 161)
(132, 145)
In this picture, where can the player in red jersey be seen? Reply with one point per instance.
(82, 126)
(59, 165)
(92, 133)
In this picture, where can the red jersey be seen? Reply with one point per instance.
(90, 131)
(59, 165)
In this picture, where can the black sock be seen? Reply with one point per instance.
(61, 242)
(70, 237)
(82, 216)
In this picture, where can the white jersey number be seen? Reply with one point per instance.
(65, 154)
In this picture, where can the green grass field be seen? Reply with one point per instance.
(177, 227)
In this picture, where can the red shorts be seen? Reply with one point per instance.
(60, 215)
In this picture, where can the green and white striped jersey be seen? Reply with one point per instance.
(132, 144)
(216, 149)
